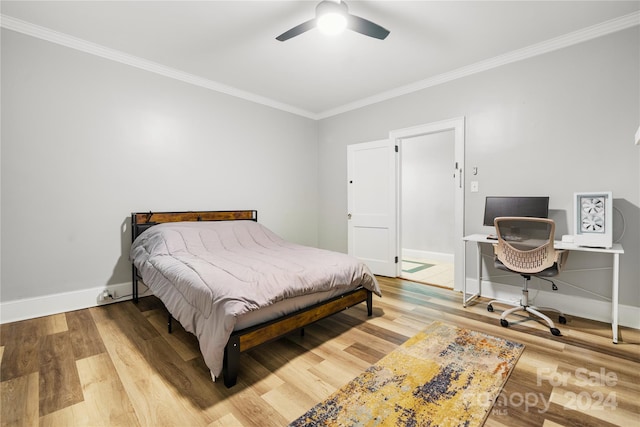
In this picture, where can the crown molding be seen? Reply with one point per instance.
(66, 40)
(570, 39)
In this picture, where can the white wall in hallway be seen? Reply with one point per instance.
(427, 193)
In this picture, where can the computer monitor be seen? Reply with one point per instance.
(495, 206)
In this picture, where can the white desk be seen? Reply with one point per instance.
(616, 250)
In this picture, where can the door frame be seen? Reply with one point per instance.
(457, 125)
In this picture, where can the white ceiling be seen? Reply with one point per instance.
(230, 45)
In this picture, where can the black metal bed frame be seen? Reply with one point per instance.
(250, 337)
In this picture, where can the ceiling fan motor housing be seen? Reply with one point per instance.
(329, 6)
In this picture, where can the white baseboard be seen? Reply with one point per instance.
(29, 308)
(587, 308)
(436, 256)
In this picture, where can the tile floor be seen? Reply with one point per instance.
(428, 271)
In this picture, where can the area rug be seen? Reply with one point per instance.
(443, 376)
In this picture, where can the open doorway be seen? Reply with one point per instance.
(427, 223)
(374, 198)
(453, 180)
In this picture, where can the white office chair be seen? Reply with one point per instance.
(525, 246)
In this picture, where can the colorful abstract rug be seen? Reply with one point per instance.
(443, 376)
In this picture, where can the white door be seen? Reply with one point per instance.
(372, 206)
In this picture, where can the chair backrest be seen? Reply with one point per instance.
(525, 245)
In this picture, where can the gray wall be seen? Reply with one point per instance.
(551, 125)
(87, 141)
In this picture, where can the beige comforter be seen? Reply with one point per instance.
(209, 273)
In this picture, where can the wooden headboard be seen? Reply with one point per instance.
(140, 221)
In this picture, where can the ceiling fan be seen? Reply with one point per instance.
(332, 16)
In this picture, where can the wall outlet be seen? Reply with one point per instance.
(106, 295)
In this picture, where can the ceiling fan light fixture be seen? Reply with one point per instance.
(332, 23)
(331, 17)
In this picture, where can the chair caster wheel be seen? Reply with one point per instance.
(504, 323)
(490, 308)
(562, 320)
(555, 331)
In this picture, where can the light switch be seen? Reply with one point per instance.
(474, 186)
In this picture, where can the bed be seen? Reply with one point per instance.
(235, 284)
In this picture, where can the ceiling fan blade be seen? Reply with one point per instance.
(366, 27)
(297, 30)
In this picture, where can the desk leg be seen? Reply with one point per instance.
(464, 275)
(614, 297)
(465, 300)
(479, 275)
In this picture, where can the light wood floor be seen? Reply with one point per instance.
(116, 365)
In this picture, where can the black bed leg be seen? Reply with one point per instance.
(169, 328)
(231, 361)
(369, 303)
(134, 283)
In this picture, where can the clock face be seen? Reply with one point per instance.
(592, 211)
